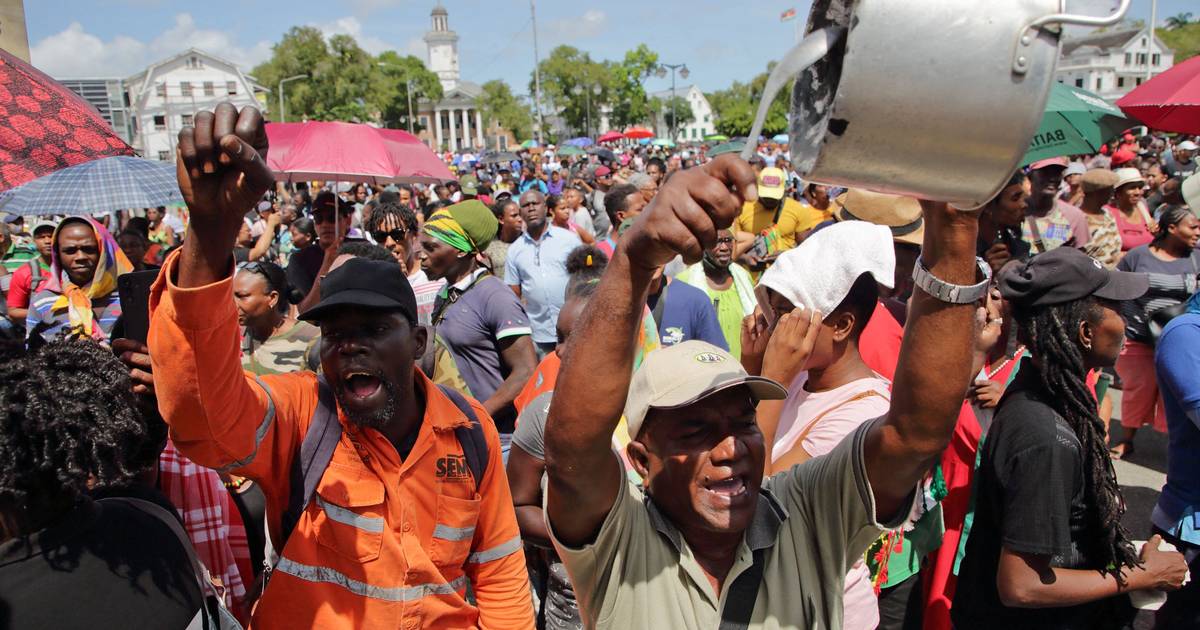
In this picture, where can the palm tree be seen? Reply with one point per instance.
(1179, 21)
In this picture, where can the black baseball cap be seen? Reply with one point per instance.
(1066, 274)
(363, 283)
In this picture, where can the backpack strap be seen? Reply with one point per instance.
(35, 276)
(322, 437)
(739, 601)
(471, 438)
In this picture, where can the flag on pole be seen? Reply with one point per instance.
(787, 15)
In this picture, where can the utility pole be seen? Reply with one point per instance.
(537, 74)
(1150, 45)
(662, 72)
(408, 91)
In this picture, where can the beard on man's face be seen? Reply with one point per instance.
(376, 419)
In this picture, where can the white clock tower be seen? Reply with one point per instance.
(443, 48)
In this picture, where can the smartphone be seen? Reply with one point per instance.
(134, 290)
(764, 304)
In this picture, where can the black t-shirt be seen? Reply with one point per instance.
(303, 267)
(103, 565)
(1029, 497)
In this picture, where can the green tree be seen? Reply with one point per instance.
(1183, 41)
(1179, 21)
(565, 69)
(736, 106)
(301, 51)
(390, 94)
(497, 103)
(630, 104)
(676, 112)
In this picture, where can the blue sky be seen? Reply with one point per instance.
(721, 41)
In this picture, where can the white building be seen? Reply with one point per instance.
(1112, 63)
(702, 123)
(163, 98)
(455, 122)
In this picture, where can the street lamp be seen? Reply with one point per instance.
(580, 90)
(662, 73)
(282, 109)
(407, 89)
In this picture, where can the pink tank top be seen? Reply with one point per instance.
(1133, 234)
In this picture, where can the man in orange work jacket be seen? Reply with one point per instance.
(398, 525)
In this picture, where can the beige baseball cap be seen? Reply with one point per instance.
(679, 375)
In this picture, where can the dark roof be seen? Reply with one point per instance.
(1101, 40)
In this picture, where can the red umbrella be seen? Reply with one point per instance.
(1169, 101)
(611, 136)
(353, 152)
(637, 133)
(45, 127)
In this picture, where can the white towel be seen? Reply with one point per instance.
(819, 272)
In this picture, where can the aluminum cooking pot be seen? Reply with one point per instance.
(936, 99)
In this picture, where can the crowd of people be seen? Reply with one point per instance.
(640, 387)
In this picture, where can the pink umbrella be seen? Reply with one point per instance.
(611, 136)
(281, 137)
(353, 152)
(1169, 101)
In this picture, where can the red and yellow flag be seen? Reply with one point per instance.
(787, 15)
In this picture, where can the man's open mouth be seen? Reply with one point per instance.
(362, 385)
(727, 489)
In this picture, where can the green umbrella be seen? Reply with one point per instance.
(529, 144)
(663, 142)
(1076, 122)
(717, 137)
(569, 151)
(729, 147)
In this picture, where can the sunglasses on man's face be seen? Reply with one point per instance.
(381, 236)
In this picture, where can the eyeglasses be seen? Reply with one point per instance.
(396, 234)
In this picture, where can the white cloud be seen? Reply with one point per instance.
(351, 26)
(592, 23)
(76, 53)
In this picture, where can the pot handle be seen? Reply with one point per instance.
(1025, 39)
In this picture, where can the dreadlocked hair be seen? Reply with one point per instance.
(68, 422)
(1049, 333)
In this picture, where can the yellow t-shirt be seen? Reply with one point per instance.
(794, 220)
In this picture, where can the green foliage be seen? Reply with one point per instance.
(630, 104)
(344, 81)
(497, 103)
(736, 106)
(674, 117)
(1183, 40)
(562, 71)
(1179, 20)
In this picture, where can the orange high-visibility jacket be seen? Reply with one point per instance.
(384, 543)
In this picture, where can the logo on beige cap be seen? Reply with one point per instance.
(709, 357)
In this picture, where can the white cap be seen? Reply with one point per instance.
(819, 273)
(1075, 168)
(1128, 176)
(1191, 193)
(682, 374)
(1187, 145)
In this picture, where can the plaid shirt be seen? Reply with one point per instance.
(211, 519)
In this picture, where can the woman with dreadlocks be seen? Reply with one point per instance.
(1047, 549)
(69, 425)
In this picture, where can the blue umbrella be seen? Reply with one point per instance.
(580, 142)
(781, 138)
(115, 183)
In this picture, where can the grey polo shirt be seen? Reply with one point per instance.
(813, 521)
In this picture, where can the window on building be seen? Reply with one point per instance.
(1120, 82)
(1078, 83)
(1099, 83)
(1141, 59)
(208, 88)
(1128, 58)
(185, 88)
(193, 62)
(425, 122)
(186, 120)
(161, 90)
(163, 156)
(1155, 59)
(231, 87)
(1139, 80)
(707, 118)
(160, 123)
(503, 143)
